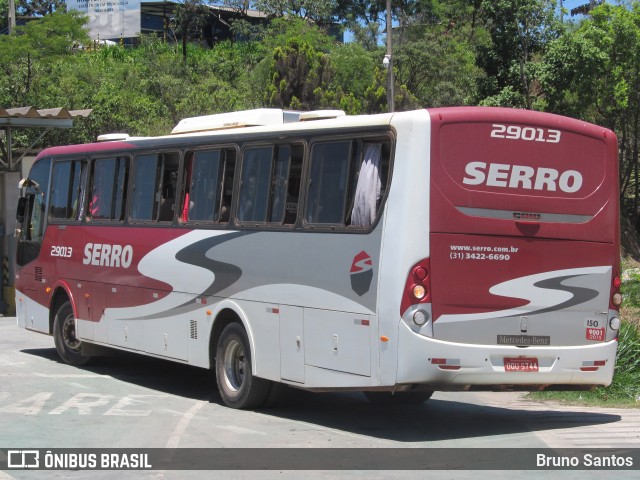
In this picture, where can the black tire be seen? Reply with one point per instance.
(236, 383)
(398, 398)
(64, 336)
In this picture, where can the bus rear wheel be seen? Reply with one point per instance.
(398, 398)
(236, 383)
(64, 336)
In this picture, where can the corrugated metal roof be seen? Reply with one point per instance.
(48, 117)
(29, 117)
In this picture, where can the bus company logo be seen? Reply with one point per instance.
(522, 177)
(107, 255)
(23, 459)
(361, 273)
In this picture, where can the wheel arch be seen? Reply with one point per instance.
(226, 313)
(61, 293)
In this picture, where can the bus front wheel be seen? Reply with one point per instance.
(236, 383)
(64, 336)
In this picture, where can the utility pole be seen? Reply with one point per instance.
(12, 16)
(388, 61)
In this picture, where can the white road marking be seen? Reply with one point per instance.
(181, 427)
(236, 429)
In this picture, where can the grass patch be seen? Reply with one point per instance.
(624, 390)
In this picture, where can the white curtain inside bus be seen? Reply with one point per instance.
(368, 187)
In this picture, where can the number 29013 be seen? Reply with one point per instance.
(531, 134)
(57, 251)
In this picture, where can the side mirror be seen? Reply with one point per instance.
(21, 210)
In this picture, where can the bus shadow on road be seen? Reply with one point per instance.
(434, 420)
(153, 373)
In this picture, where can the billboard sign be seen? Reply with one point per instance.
(110, 19)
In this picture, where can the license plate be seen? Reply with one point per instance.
(520, 364)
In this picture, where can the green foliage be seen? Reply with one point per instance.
(631, 287)
(190, 18)
(318, 11)
(299, 75)
(283, 30)
(592, 73)
(4, 14)
(628, 359)
(438, 67)
(353, 67)
(519, 30)
(39, 7)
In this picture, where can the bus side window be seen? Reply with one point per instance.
(227, 185)
(155, 181)
(122, 175)
(168, 187)
(145, 179)
(67, 190)
(204, 173)
(328, 183)
(285, 184)
(255, 184)
(293, 185)
(108, 187)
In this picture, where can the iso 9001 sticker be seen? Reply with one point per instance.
(596, 334)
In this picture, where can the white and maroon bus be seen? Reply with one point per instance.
(396, 254)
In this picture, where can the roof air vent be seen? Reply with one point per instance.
(222, 121)
(321, 115)
(111, 137)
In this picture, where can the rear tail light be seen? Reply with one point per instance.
(616, 296)
(616, 299)
(417, 287)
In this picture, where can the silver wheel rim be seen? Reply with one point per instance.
(69, 333)
(234, 365)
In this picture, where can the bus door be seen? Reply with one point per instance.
(524, 228)
(31, 219)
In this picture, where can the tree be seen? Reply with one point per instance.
(4, 14)
(519, 30)
(299, 75)
(190, 17)
(438, 67)
(318, 11)
(593, 72)
(34, 46)
(40, 8)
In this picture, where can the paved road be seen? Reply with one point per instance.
(131, 401)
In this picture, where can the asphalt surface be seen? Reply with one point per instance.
(135, 402)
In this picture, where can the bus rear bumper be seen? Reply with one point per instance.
(427, 361)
